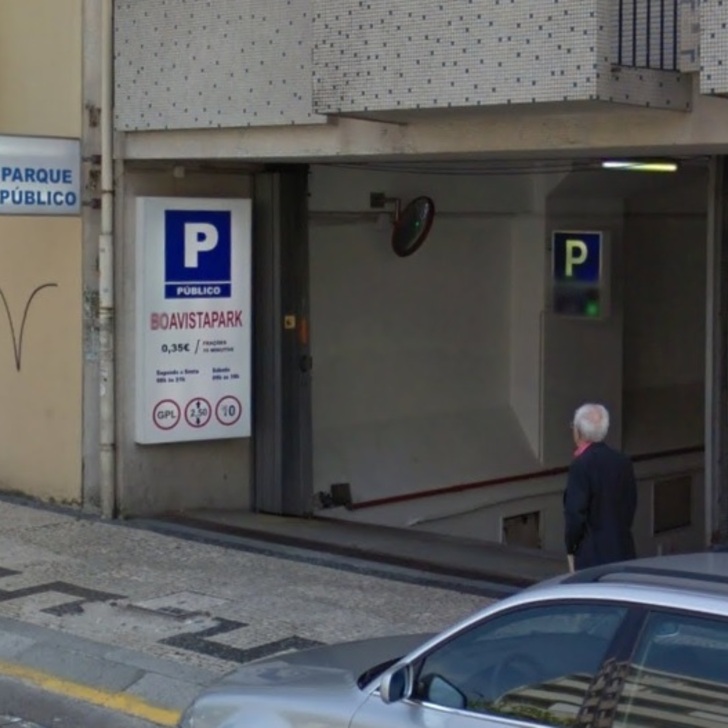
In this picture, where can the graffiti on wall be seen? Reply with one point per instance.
(18, 333)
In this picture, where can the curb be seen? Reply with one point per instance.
(118, 702)
(102, 675)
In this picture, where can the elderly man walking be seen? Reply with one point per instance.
(600, 497)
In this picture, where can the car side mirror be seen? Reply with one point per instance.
(396, 684)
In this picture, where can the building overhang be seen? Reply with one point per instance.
(575, 129)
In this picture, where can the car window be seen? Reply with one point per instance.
(678, 675)
(535, 663)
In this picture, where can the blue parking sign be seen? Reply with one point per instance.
(197, 254)
(577, 257)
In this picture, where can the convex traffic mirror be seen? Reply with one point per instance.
(413, 226)
(412, 223)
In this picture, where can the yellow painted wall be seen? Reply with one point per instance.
(41, 402)
(40, 67)
(40, 405)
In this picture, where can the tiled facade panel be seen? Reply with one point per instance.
(638, 80)
(689, 35)
(714, 47)
(397, 54)
(190, 64)
(645, 87)
(213, 63)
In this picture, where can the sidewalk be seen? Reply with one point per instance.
(141, 615)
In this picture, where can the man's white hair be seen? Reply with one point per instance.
(592, 422)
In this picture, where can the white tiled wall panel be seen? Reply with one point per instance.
(689, 49)
(235, 63)
(213, 63)
(388, 54)
(374, 55)
(638, 80)
(714, 46)
(646, 87)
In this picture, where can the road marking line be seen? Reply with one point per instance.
(120, 702)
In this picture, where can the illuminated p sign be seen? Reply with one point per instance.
(577, 274)
(577, 257)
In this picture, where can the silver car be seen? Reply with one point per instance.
(642, 643)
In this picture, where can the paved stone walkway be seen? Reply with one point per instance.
(155, 616)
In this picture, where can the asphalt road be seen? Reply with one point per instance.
(37, 708)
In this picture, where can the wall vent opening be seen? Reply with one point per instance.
(523, 530)
(672, 504)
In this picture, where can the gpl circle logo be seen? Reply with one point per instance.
(166, 414)
(197, 253)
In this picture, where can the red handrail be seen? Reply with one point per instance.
(416, 495)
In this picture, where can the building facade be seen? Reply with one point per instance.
(42, 268)
(432, 391)
(436, 389)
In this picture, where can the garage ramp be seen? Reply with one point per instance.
(463, 559)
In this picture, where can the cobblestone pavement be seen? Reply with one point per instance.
(196, 605)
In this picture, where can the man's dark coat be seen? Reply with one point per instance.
(599, 506)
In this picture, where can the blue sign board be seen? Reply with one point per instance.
(577, 257)
(40, 176)
(197, 254)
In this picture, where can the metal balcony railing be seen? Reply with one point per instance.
(647, 34)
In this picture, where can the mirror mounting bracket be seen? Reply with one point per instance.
(379, 200)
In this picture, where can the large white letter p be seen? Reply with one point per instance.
(576, 254)
(200, 237)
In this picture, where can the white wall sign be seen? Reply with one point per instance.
(40, 176)
(193, 324)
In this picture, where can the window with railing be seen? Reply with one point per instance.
(647, 34)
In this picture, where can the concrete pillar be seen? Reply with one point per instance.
(716, 410)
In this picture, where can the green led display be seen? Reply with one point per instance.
(592, 308)
(577, 300)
